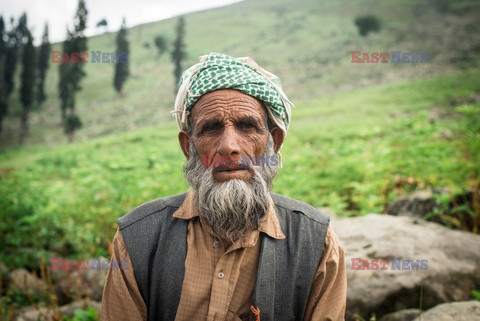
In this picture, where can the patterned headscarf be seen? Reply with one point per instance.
(218, 71)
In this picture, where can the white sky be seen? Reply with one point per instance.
(59, 13)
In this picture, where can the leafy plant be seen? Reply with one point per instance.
(84, 315)
(476, 294)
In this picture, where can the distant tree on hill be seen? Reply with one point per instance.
(121, 65)
(102, 24)
(367, 24)
(72, 73)
(43, 64)
(3, 88)
(28, 83)
(161, 44)
(3, 93)
(10, 52)
(178, 53)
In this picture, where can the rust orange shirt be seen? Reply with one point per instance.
(220, 278)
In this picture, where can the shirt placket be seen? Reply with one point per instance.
(222, 284)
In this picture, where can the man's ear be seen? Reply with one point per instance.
(278, 137)
(184, 140)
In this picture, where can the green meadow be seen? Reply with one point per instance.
(344, 151)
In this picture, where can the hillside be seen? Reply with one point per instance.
(309, 46)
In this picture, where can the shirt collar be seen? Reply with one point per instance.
(269, 224)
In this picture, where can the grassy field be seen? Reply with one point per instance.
(344, 151)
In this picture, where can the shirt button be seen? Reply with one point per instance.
(216, 244)
(220, 275)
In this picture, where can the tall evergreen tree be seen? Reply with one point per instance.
(43, 64)
(178, 53)
(28, 82)
(3, 93)
(3, 89)
(121, 63)
(72, 73)
(11, 45)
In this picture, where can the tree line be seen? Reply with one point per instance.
(16, 42)
(16, 48)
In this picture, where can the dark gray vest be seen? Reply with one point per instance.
(157, 245)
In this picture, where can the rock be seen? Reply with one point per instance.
(455, 311)
(404, 315)
(25, 281)
(69, 309)
(79, 283)
(452, 261)
(47, 314)
(417, 204)
(33, 314)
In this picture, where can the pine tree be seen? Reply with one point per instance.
(43, 64)
(3, 89)
(72, 73)
(12, 52)
(9, 53)
(28, 81)
(121, 64)
(3, 93)
(178, 53)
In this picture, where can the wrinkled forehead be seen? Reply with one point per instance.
(228, 104)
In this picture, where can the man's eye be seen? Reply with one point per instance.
(211, 128)
(246, 125)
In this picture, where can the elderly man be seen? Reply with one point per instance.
(228, 249)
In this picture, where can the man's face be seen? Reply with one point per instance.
(232, 199)
(229, 123)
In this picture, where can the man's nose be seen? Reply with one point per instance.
(229, 142)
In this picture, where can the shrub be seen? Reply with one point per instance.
(367, 24)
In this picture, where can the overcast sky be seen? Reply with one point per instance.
(60, 13)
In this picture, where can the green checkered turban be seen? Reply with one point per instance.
(218, 71)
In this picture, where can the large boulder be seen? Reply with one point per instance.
(22, 280)
(455, 311)
(75, 284)
(403, 315)
(449, 271)
(416, 204)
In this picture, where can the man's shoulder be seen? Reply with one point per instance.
(151, 208)
(302, 208)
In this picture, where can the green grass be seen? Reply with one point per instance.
(343, 151)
